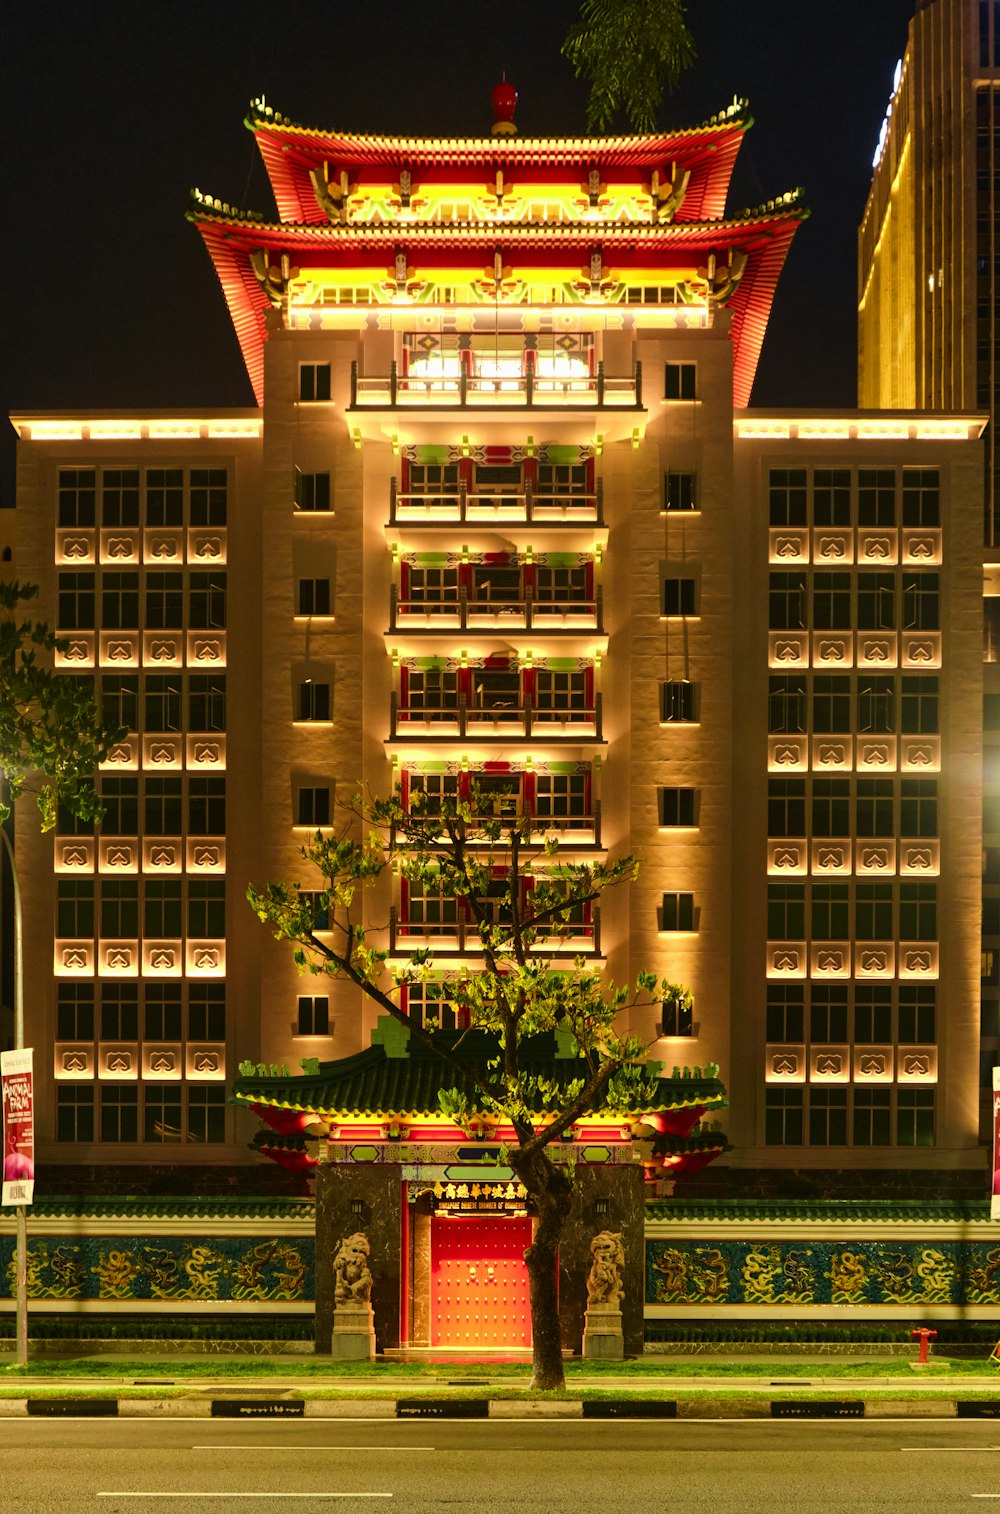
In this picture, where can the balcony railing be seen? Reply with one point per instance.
(500, 722)
(460, 937)
(500, 509)
(572, 831)
(464, 614)
(396, 390)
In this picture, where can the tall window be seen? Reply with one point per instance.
(831, 807)
(831, 703)
(914, 1116)
(206, 1010)
(206, 1121)
(119, 1112)
(786, 911)
(120, 601)
(209, 492)
(162, 1118)
(75, 907)
(783, 1116)
(872, 1013)
(787, 496)
(314, 381)
(74, 1112)
(918, 705)
(828, 1006)
(876, 497)
(120, 797)
(162, 808)
(77, 497)
(873, 911)
(832, 601)
(876, 601)
(120, 497)
(119, 907)
(76, 602)
(876, 702)
(785, 1012)
(921, 497)
(161, 916)
(827, 1115)
(75, 1012)
(918, 807)
(917, 911)
(207, 601)
(163, 702)
(872, 1117)
(162, 1009)
(832, 497)
(206, 907)
(786, 807)
(206, 701)
(917, 1013)
(787, 601)
(120, 699)
(787, 704)
(830, 912)
(119, 1011)
(206, 806)
(921, 602)
(874, 807)
(164, 601)
(165, 497)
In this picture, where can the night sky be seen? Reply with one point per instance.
(115, 110)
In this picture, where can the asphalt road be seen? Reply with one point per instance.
(576, 1467)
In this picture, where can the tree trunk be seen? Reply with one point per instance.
(549, 1187)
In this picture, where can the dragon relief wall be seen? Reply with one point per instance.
(135, 1268)
(804, 1272)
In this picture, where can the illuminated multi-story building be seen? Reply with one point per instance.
(927, 318)
(503, 514)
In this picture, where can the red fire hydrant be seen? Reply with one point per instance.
(923, 1335)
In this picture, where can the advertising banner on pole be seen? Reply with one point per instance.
(995, 1197)
(18, 1127)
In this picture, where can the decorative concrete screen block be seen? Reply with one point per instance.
(873, 1064)
(119, 546)
(920, 858)
(206, 1062)
(118, 1062)
(787, 754)
(163, 649)
(162, 854)
(206, 854)
(787, 858)
(162, 1063)
(917, 1064)
(918, 959)
(877, 547)
(876, 754)
(833, 649)
(78, 651)
(922, 547)
(162, 753)
(920, 754)
(785, 1064)
(118, 959)
(119, 649)
(833, 754)
(73, 1061)
(831, 857)
(207, 649)
(118, 854)
(163, 545)
(875, 857)
(829, 1064)
(162, 959)
(788, 649)
(74, 854)
(878, 651)
(786, 959)
(206, 752)
(832, 547)
(206, 959)
(75, 548)
(123, 756)
(786, 544)
(207, 546)
(920, 649)
(874, 959)
(73, 959)
(830, 959)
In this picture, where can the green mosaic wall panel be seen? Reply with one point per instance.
(821, 1272)
(127, 1267)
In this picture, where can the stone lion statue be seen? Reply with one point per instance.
(604, 1284)
(352, 1275)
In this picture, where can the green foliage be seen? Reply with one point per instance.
(630, 52)
(50, 727)
(521, 901)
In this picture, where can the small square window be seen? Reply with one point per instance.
(312, 491)
(678, 912)
(314, 381)
(679, 491)
(679, 596)
(313, 806)
(314, 1015)
(680, 382)
(677, 806)
(314, 596)
(678, 703)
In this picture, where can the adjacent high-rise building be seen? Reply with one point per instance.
(928, 287)
(503, 514)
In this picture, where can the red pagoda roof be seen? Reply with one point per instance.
(290, 151)
(764, 235)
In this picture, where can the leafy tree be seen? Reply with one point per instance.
(518, 898)
(631, 52)
(50, 730)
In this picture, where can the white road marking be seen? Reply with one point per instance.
(974, 1450)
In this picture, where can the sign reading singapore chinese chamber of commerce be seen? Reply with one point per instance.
(18, 1127)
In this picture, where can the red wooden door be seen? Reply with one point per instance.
(479, 1283)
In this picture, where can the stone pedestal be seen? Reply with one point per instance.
(603, 1339)
(353, 1333)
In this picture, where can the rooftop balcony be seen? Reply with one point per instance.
(573, 832)
(399, 391)
(463, 613)
(460, 507)
(496, 723)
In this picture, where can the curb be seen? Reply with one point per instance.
(259, 1408)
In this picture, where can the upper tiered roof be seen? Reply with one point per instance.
(643, 210)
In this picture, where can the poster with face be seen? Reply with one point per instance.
(18, 1132)
(995, 1198)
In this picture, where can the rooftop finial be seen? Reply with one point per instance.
(504, 101)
